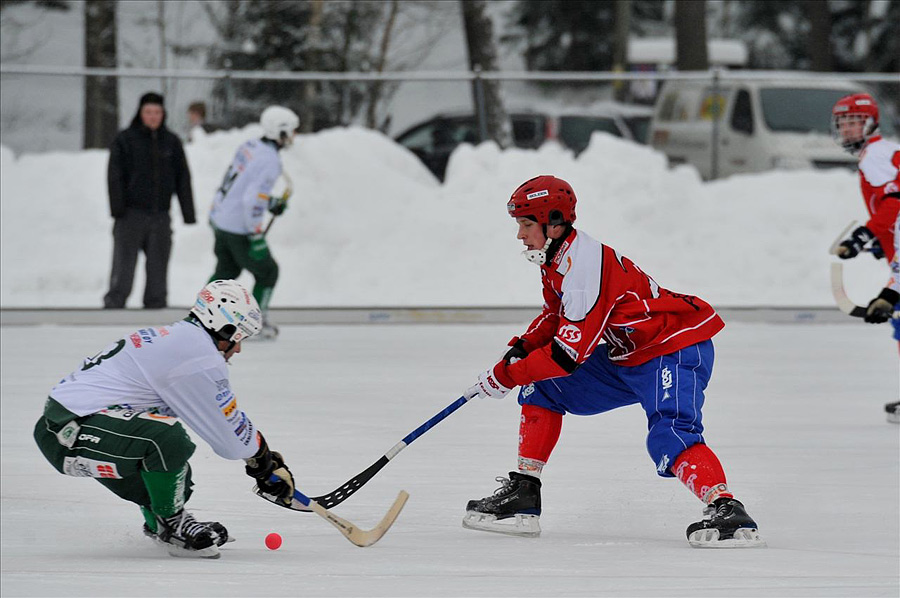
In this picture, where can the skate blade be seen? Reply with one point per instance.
(211, 552)
(526, 526)
(743, 538)
(893, 418)
(206, 553)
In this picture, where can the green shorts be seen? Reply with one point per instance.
(114, 446)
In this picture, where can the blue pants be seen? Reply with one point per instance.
(669, 388)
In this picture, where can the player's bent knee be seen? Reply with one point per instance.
(170, 449)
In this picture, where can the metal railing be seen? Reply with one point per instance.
(717, 77)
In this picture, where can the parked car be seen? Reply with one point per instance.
(435, 139)
(763, 124)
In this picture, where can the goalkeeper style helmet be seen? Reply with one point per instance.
(227, 311)
(279, 124)
(546, 199)
(854, 119)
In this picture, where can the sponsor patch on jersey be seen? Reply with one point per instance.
(135, 340)
(228, 409)
(82, 467)
(569, 333)
(537, 194)
(157, 417)
(569, 350)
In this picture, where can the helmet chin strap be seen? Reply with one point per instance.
(538, 256)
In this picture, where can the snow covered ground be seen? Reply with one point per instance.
(368, 225)
(794, 411)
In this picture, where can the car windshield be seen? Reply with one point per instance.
(575, 131)
(639, 126)
(799, 109)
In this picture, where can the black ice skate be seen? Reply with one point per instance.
(184, 536)
(519, 498)
(725, 524)
(893, 412)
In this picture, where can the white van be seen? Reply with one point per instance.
(763, 124)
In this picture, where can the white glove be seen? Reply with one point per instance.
(487, 386)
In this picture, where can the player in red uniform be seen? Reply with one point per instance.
(854, 126)
(657, 353)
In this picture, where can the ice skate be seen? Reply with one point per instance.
(269, 330)
(893, 412)
(725, 524)
(518, 498)
(184, 536)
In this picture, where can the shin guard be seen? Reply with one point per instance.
(539, 430)
(699, 469)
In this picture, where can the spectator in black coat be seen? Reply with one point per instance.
(146, 166)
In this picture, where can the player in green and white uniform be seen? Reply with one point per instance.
(240, 205)
(118, 418)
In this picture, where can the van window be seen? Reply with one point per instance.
(798, 109)
(667, 108)
(742, 113)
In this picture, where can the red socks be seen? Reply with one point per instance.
(699, 469)
(538, 432)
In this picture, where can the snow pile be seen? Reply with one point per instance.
(369, 226)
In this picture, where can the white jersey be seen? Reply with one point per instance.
(170, 371)
(240, 204)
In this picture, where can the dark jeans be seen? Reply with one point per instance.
(134, 232)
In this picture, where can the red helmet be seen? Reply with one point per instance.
(546, 198)
(854, 119)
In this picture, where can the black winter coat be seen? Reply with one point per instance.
(145, 168)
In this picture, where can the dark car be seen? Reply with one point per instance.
(435, 139)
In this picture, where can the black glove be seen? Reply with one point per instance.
(277, 205)
(517, 352)
(266, 463)
(881, 307)
(852, 246)
(876, 250)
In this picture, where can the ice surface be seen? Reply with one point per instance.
(793, 411)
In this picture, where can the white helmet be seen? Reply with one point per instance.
(226, 309)
(279, 123)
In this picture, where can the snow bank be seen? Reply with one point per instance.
(369, 225)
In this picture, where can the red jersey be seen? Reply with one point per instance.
(879, 180)
(592, 293)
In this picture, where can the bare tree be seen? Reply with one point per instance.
(483, 57)
(620, 44)
(380, 61)
(818, 42)
(101, 94)
(690, 35)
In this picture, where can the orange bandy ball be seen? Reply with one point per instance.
(273, 541)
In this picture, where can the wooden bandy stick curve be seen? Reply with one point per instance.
(359, 537)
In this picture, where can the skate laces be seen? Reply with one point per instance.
(505, 484)
(184, 525)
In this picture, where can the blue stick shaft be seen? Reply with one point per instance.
(434, 420)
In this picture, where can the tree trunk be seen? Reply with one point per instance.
(376, 87)
(690, 35)
(483, 57)
(101, 94)
(818, 43)
(307, 123)
(620, 45)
